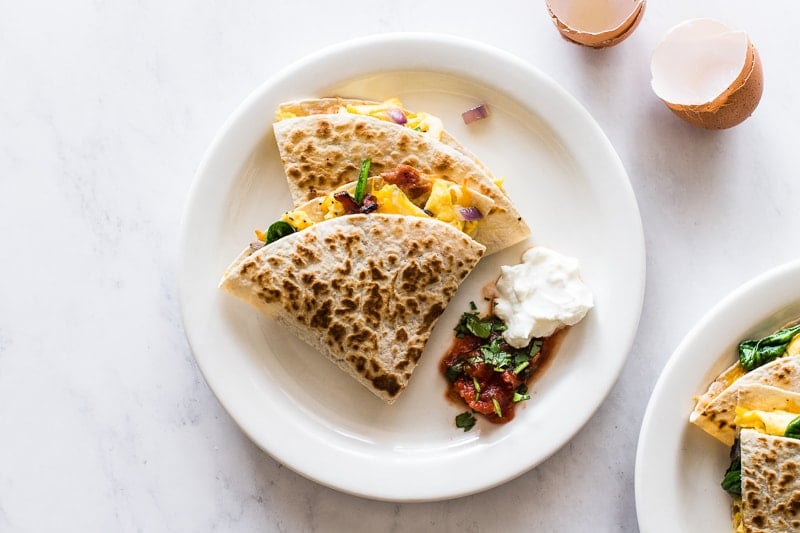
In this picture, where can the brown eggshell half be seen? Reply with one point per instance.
(602, 39)
(734, 105)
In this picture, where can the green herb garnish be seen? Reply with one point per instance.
(278, 230)
(497, 409)
(454, 371)
(465, 420)
(732, 482)
(793, 429)
(535, 347)
(361, 185)
(471, 324)
(493, 355)
(521, 394)
(757, 352)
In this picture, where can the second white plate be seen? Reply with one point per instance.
(564, 177)
(679, 467)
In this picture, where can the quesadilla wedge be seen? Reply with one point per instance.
(773, 360)
(764, 476)
(365, 290)
(391, 110)
(318, 154)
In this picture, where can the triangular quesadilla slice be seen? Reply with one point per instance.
(321, 153)
(391, 110)
(715, 411)
(364, 290)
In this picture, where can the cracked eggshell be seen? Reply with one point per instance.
(707, 74)
(596, 23)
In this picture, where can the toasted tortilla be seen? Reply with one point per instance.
(364, 290)
(715, 410)
(320, 153)
(330, 105)
(770, 482)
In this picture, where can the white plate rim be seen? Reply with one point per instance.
(754, 308)
(573, 119)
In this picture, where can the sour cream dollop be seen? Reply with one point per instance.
(540, 295)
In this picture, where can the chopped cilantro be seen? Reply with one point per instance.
(454, 371)
(471, 324)
(465, 420)
(493, 355)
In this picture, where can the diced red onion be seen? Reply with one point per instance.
(476, 113)
(470, 214)
(397, 116)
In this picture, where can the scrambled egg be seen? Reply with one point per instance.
(770, 422)
(443, 204)
(392, 200)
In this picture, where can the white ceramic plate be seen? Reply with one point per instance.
(678, 466)
(566, 180)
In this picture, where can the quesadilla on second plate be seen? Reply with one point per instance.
(772, 360)
(770, 482)
(365, 290)
(764, 476)
(322, 152)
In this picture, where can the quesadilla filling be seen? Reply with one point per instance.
(390, 110)
(403, 191)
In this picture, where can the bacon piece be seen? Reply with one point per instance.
(349, 203)
(408, 180)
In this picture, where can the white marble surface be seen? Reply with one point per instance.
(106, 109)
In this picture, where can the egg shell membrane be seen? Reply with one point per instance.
(602, 39)
(734, 105)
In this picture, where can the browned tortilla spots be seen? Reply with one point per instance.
(360, 302)
(770, 485)
(349, 139)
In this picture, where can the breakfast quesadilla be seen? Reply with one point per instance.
(318, 152)
(365, 290)
(773, 360)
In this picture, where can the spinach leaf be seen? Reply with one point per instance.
(732, 482)
(756, 352)
(278, 230)
(793, 429)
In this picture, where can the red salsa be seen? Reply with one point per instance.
(486, 373)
